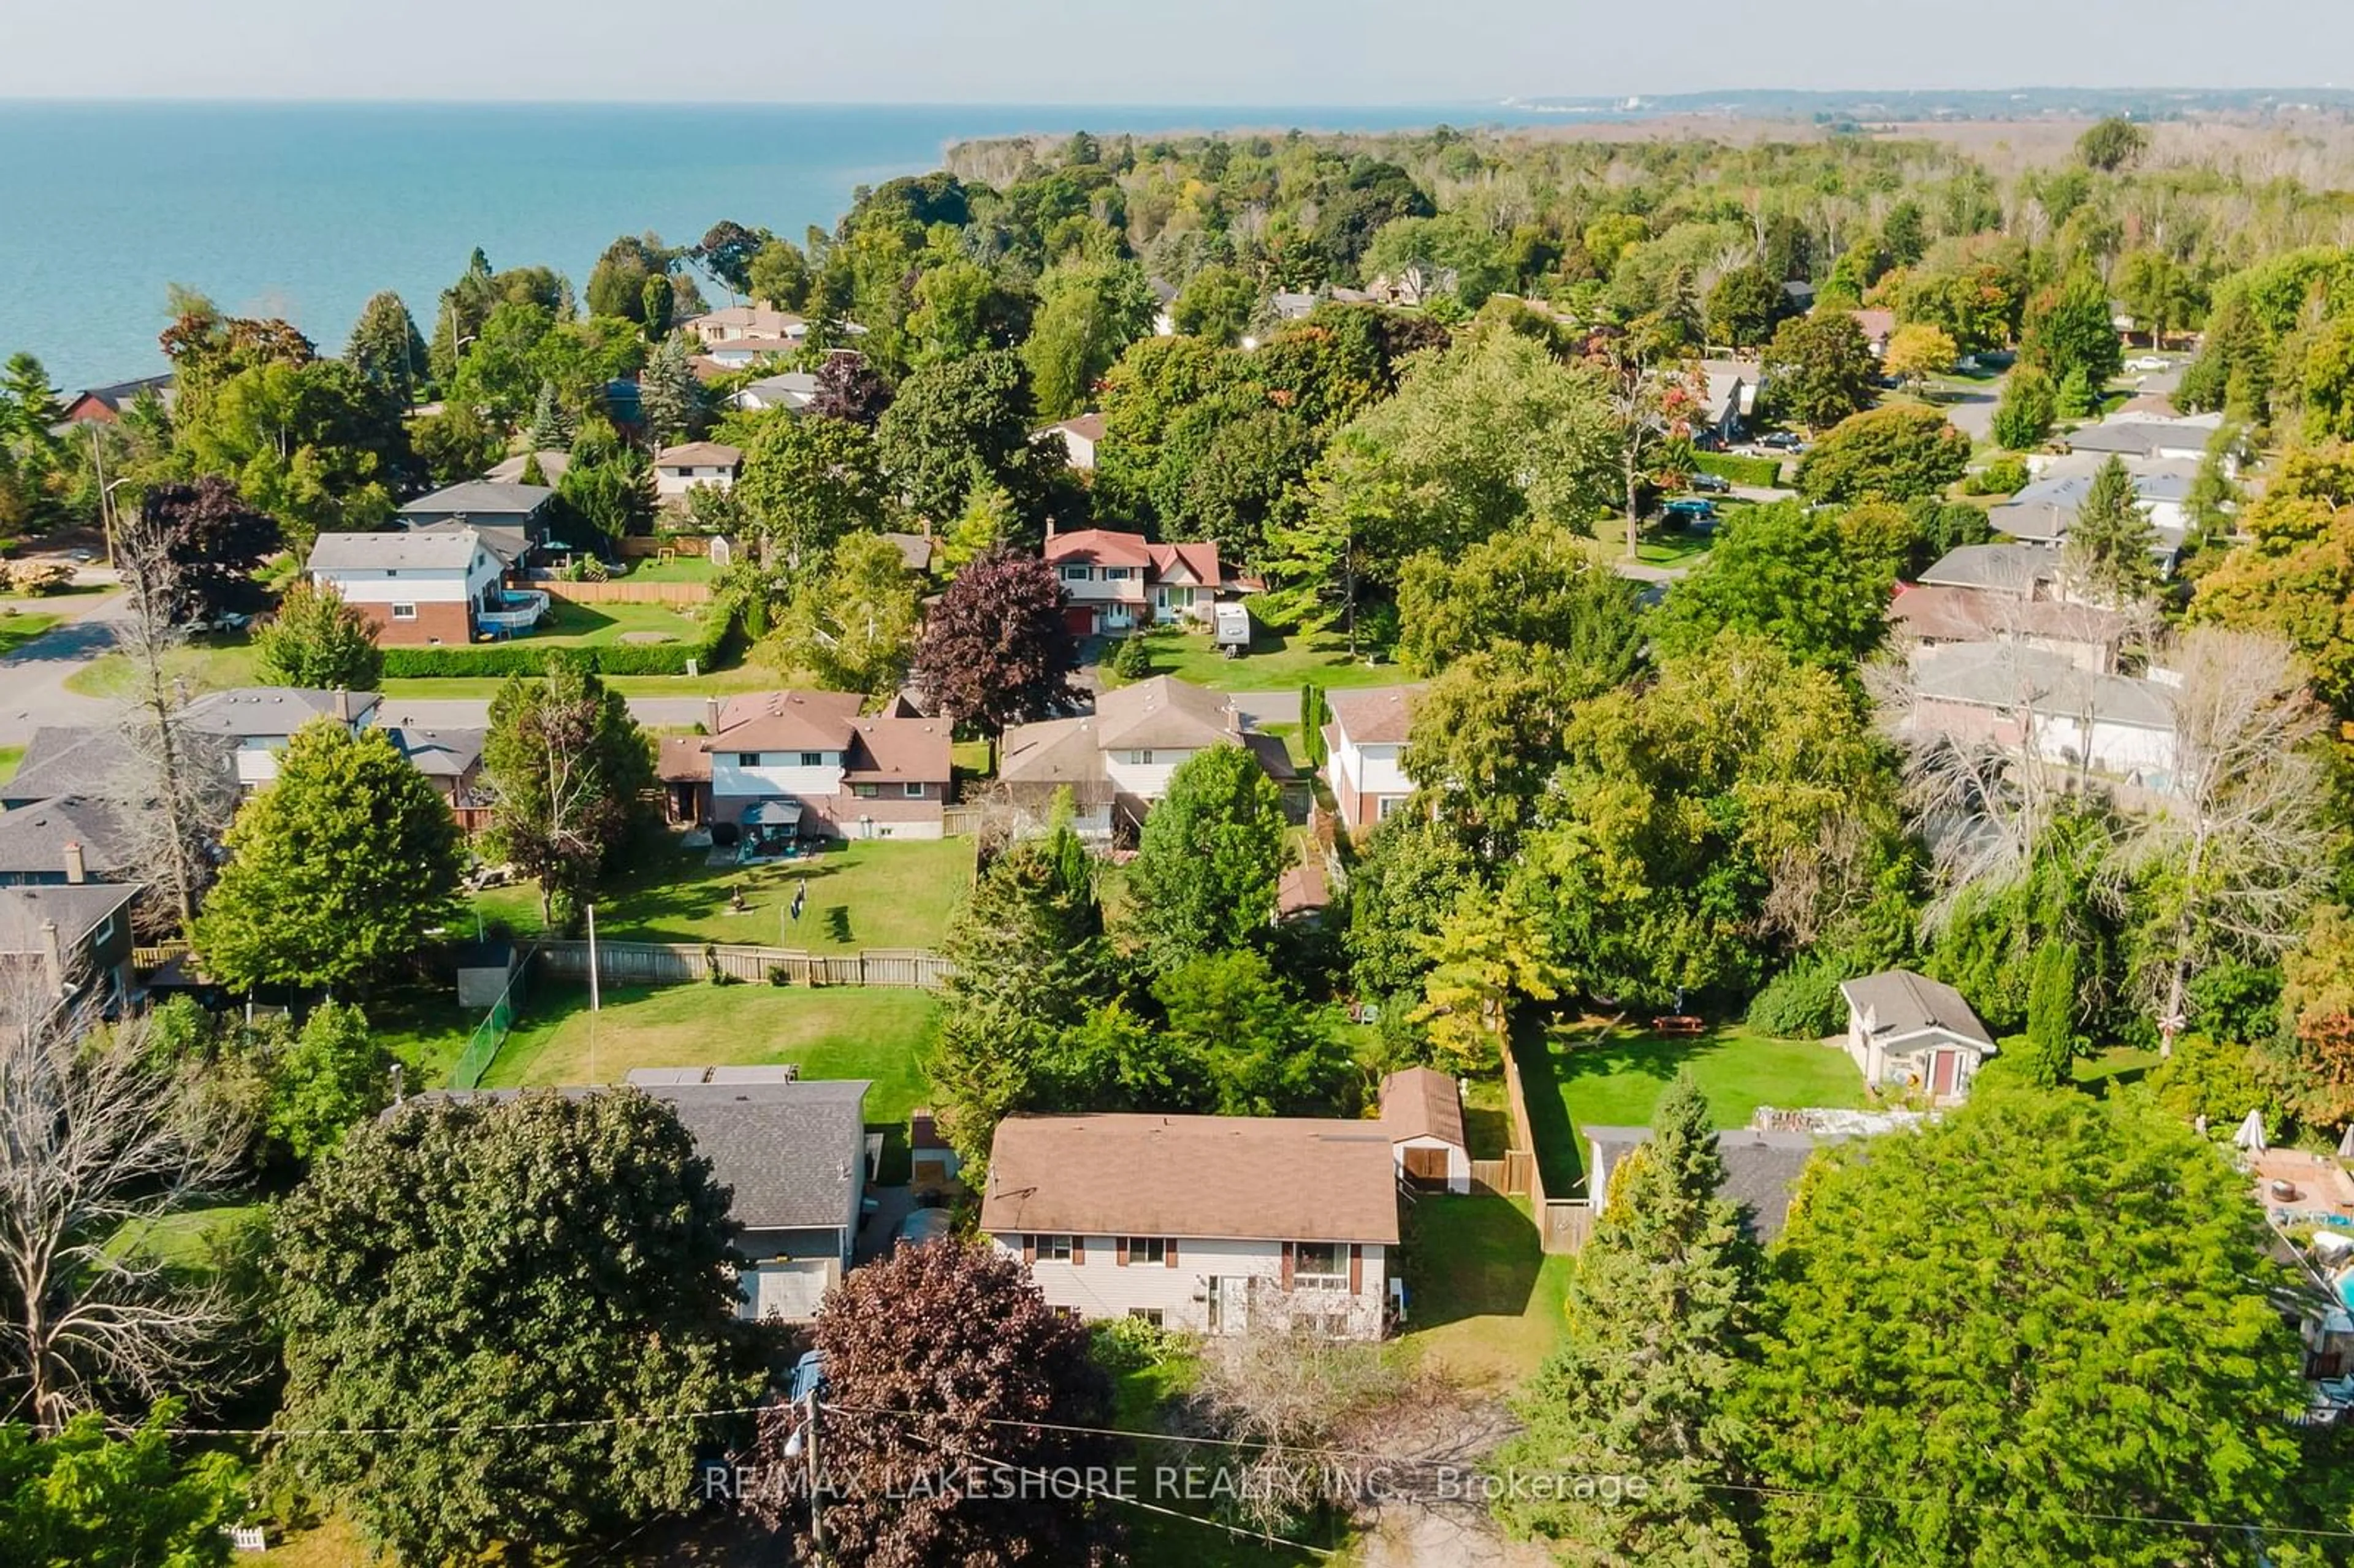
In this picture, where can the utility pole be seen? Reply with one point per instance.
(593, 996)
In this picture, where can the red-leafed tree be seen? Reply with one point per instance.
(214, 541)
(948, 1385)
(995, 649)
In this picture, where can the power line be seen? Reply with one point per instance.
(1753, 1490)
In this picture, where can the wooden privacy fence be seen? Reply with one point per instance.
(678, 963)
(1563, 1220)
(625, 592)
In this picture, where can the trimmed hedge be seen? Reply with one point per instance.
(525, 657)
(1764, 472)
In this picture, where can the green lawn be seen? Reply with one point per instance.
(20, 627)
(1614, 1077)
(207, 664)
(1482, 1298)
(1679, 548)
(1276, 661)
(9, 756)
(677, 569)
(2103, 1070)
(190, 1238)
(709, 682)
(869, 894)
(570, 625)
(72, 590)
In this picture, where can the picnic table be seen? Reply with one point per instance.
(1678, 1023)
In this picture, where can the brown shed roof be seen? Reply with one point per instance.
(1421, 1102)
(1376, 716)
(1243, 1177)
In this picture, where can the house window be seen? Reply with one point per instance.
(865, 791)
(1148, 1249)
(103, 934)
(404, 612)
(1140, 759)
(1152, 1315)
(1320, 1266)
(812, 759)
(1052, 1249)
(1075, 573)
(1387, 804)
(1118, 574)
(912, 790)
(748, 759)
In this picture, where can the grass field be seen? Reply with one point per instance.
(20, 627)
(570, 625)
(1482, 1298)
(677, 569)
(1605, 1076)
(713, 682)
(207, 664)
(190, 1238)
(868, 894)
(1275, 663)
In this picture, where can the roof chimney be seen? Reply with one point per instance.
(53, 957)
(710, 716)
(343, 706)
(77, 868)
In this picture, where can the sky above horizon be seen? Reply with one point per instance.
(1204, 52)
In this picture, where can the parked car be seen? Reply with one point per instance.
(1711, 484)
(2149, 362)
(1687, 513)
(1781, 442)
(924, 1226)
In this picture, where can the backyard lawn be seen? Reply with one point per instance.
(677, 569)
(705, 684)
(1482, 1298)
(868, 894)
(570, 625)
(1275, 663)
(1613, 1076)
(20, 627)
(206, 663)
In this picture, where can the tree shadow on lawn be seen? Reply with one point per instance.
(661, 902)
(1470, 1257)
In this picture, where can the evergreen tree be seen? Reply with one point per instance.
(1204, 876)
(2107, 557)
(317, 640)
(551, 422)
(531, 472)
(334, 1075)
(385, 347)
(1657, 1306)
(669, 395)
(2051, 1013)
(2023, 415)
(337, 870)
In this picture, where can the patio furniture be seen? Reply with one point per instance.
(1678, 1023)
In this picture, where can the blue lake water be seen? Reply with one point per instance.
(304, 210)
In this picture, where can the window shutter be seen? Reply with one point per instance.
(1357, 1268)
(1287, 1266)
(1079, 1250)
(1029, 1249)
(1119, 1245)
(1168, 1254)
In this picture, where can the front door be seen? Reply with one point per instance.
(1945, 1067)
(1229, 1303)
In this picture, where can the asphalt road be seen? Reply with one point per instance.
(33, 679)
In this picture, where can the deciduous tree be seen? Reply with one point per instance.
(1533, 587)
(82, 1498)
(1901, 454)
(317, 640)
(851, 626)
(1819, 368)
(1789, 573)
(569, 765)
(431, 1255)
(1918, 351)
(337, 869)
(995, 649)
(333, 1075)
(2023, 415)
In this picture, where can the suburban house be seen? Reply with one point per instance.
(1117, 760)
(1364, 751)
(1292, 305)
(69, 840)
(1761, 1169)
(791, 390)
(1113, 582)
(1080, 437)
(419, 587)
(1910, 1035)
(509, 471)
(2041, 704)
(486, 504)
(792, 1155)
(257, 722)
(1733, 386)
(451, 761)
(777, 767)
(1932, 617)
(2145, 435)
(1878, 326)
(749, 324)
(74, 938)
(1422, 1112)
(2044, 511)
(915, 551)
(2016, 571)
(1164, 306)
(104, 405)
(680, 469)
(933, 1163)
(95, 762)
(1211, 1224)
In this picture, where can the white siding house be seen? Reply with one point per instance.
(680, 469)
(1209, 1225)
(414, 587)
(1365, 752)
(1910, 1035)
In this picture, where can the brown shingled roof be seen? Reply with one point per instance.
(900, 749)
(1243, 1178)
(1376, 716)
(1421, 1102)
(1101, 547)
(786, 721)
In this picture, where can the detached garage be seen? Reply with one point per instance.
(1422, 1111)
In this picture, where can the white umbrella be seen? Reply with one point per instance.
(2251, 1136)
(2346, 1144)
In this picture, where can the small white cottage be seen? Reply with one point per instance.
(1911, 1034)
(1422, 1111)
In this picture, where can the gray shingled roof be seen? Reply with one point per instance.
(1903, 1002)
(33, 838)
(1761, 1169)
(2006, 676)
(2007, 569)
(77, 910)
(255, 713)
(407, 550)
(788, 1153)
(480, 497)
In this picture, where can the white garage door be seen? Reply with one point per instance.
(789, 1290)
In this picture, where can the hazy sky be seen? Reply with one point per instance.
(1274, 52)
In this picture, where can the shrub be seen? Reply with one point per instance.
(1762, 471)
(527, 657)
(1802, 1003)
(2004, 476)
(36, 576)
(1131, 660)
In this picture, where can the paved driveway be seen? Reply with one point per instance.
(33, 679)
